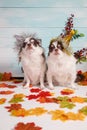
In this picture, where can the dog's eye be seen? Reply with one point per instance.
(34, 41)
(24, 44)
(51, 47)
(60, 46)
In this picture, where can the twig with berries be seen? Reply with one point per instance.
(81, 55)
(69, 32)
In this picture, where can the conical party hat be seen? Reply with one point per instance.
(69, 37)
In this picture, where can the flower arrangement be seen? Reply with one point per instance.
(68, 34)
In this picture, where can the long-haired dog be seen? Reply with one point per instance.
(61, 65)
(32, 57)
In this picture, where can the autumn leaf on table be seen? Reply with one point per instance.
(66, 104)
(37, 111)
(20, 112)
(46, 100)
(31, 112)
(35, 90)
(11, 86)
(6, 92)
(75, 116)
(17, 81)
(2, 100)
(61, 115)
(83, 110)
(63, 98)
(27, 126)
(67, 91)
(13, 107)
(78, 99)
(32, 96)
(4, 85)
(58, 115)
(17, 98)
(40, 94)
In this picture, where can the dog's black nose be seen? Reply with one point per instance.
(29, 45)
(56, 50)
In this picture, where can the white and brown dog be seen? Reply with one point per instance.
(32, 57)
(61, 65)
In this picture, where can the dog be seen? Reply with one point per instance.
(32, 57)
(61, 65)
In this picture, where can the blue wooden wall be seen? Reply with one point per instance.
(45, 17)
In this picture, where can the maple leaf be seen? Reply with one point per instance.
(6, 92)
(2, 100)
(37, 111)
(20, 112)
(46, 100)
(83, 110)
(32, 96)
(35, 90)
(75, 116)
(3, 85)
(17, 98)
(44, 94)
(67, 91)
(78, 99)
(66, 104)
(11, 86)
(27, 126)
(13, 107)
(6, 76)
(58, 115)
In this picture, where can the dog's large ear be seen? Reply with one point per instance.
(19, 38)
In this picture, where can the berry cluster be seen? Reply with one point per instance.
(68, 26)
(81, 55)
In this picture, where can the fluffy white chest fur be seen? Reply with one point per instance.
(61, 69)
(33, 65)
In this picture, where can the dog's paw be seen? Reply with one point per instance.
(51, 87)
(42, 86)
(25, 86)
(73, 86)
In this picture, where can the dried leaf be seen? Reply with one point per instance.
(66, 104)
(83, 110)
(2, 100)
(6, 76)
(27, 126)
(13, 107)
(75, 116)
(6, 92)
(35, 90)
(67, 91)
(58, 115)
(17, 98)
(78, 99)
(20, 112)
(3, 85)
(37, 111)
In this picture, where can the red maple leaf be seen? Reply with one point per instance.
(27, 126)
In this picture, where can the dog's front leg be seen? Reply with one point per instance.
(49, 79)
(42, 80)
(27, 81)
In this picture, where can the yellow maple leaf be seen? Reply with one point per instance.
(2, 100)
(37, 111)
